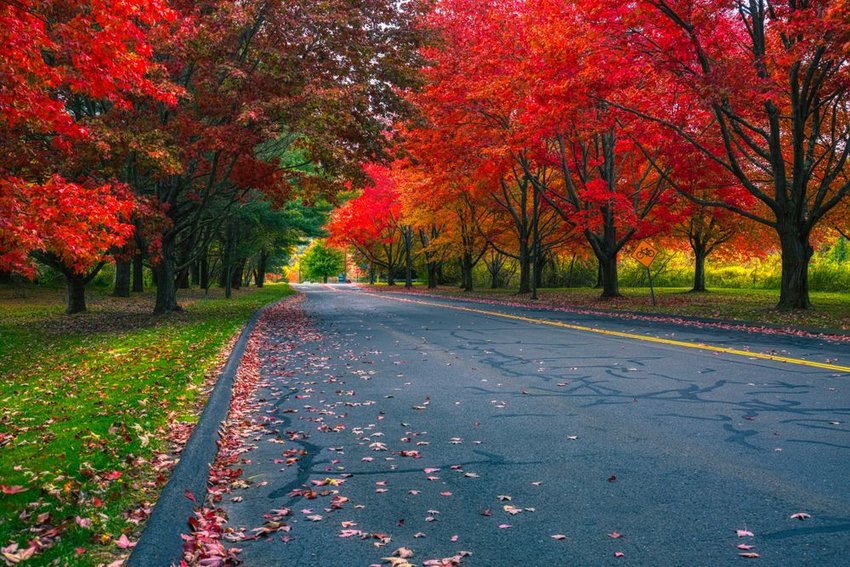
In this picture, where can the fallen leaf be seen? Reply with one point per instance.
(744, 533)
(749, 555)
(800, 516)
(558, 536)
(615, 535)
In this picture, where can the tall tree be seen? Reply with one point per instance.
(771, 81)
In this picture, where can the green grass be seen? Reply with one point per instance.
(89, 394)
(830, 310)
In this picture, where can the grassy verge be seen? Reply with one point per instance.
(831, 311)
(87, 402)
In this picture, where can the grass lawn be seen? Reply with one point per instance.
(830, 311)
(90, 403)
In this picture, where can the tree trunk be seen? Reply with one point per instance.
(138, 274)
(236, 274)
(166, 282)
(5, 277)
(76, 293)
(466, 268)
(227, 274)
(524, 268)
(608, 269)
(325, 278)
(260, 272)
(204, 268)
(183, 279)
(699, 268)
(371, 274)
(408, 258)
(598, 284)
(122, 279)
(391, 276)
(432, 275)
(796, 253)
(196, 273)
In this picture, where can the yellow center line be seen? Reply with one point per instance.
(620, 334)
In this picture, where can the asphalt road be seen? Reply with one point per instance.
(578, 433)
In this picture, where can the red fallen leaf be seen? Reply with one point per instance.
(744, 533)
(558, 536)
(79, 551)
(749, 555)
(618, 554)
(800, 516)
(97, 502)
(124, 543)
(504, 526)
(447, 493)
(615, 535)
(188, 494)
(431, 470)
(112, 475)
(6, 489)
(454, 538)
(612, 478)
(744, 546)
(486, 512)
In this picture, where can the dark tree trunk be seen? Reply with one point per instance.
(391, 275)
(796, 253)
(466, 267)
(598, 284)
(699, 267)
(122, 279)
(610, 281)
(76, 293)
(183, 279)
(408, 257)
(524, 268)
(204, 268)
(5, 277)
(371, 274)
(227, 274)
(138, 274)
(432, 275)
(260, 272)
(166, 282)
(325, 278)
(236, 274)
(196, 273)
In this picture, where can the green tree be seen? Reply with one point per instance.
(321, 261)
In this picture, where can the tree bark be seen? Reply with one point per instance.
(196, 273)
(466, 267)
(432, 275)
(76, 293)
(796, 253)
(524, 268)
(5, 277)
(122, 279)
(699, 268)
(138, 274)
(260, 272)
(608, 271)
(325, 278)
(166, 281)
(183, 279)
(407, 233)
(371, 274)
(204, 268)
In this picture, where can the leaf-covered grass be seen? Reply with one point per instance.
(86, 404)
(830, 311)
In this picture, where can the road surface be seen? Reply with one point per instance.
(450, 430)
